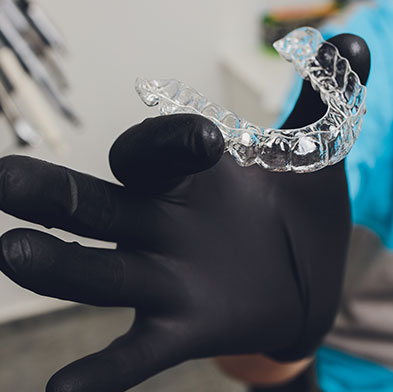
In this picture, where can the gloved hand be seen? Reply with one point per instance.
(216, 259)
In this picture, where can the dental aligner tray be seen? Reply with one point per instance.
(307, 149)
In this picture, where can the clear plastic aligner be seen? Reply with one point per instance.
(302, 150)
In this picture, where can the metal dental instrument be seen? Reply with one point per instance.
(32, 98)
(35, 68)
(42, 24)
(38, 44)
(25, 134)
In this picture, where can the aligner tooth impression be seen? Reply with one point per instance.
(302, 150)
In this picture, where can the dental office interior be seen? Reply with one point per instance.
(68, 70)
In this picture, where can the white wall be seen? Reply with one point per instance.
(110, 44)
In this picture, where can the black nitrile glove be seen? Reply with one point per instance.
(216, 259)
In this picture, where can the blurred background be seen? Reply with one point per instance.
(219, 47)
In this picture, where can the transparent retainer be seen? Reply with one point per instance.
(302, 150)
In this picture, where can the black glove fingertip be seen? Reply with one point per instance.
(355, 49)
(15, 255)
(309, 106)
(206, 142)
(161, 150)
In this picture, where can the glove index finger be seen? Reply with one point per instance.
(160, 151)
